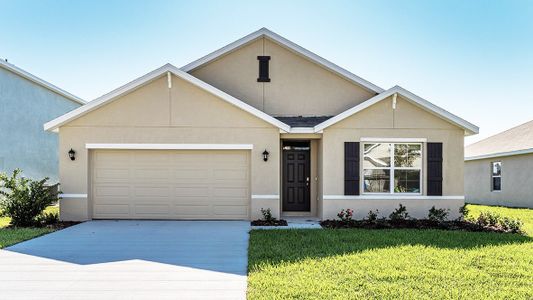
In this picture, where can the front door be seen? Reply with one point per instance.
(296, 173)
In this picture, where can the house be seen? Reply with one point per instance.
(26, 102)
(259, 123)
(498, 169)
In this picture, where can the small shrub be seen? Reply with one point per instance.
(48, 218)
(345, 215)
(487, 218)
(511, 225)
(372, 216)
(23, 199)
(399, 214)
(438, 214)
(464, 211)
(267, 215)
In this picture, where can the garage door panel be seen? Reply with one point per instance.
(111, 191)
(230, 210)
(112, 209)
(170, 184)
(111, 174)
(151, 191)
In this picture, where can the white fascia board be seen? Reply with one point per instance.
(500, 154)
(263, 32)
(469, 128)
(302, 130)
(143, 80)
(171, 146)
(393, 140)
(391, 197)
(18, 71)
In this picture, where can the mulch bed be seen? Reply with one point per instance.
(414, 224)
(55, 226)
(269, 223)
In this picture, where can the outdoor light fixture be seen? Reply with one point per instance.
(72, 154)
(265, 155)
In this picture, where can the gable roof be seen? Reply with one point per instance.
(143, 80)
(514, 141)
(263, 32)
(418, 101)
(18, 71)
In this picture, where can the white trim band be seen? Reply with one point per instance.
(394, 140)
(500, 154)
(273, 197)
(391, 197)
(171, 146)
(72, 195)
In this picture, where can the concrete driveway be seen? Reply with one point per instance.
(130, 260)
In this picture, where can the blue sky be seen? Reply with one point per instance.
(473, 58)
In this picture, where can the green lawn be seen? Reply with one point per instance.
(390, 264)
(11, 236)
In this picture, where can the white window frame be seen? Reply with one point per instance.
(492, 176)
(392, 167)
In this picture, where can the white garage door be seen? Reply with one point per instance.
(170, 184)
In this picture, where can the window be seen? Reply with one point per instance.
(392, 168)
(263, 69)
(496, 174)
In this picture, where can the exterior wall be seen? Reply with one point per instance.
(517, 182)
(298, 86)
(382, 121)
(155, 114)
(24, 108)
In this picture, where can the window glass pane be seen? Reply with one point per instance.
(407, 181)
(496, 183)
(496, 168)
(377, 181)
(407, 155)
(376, 156)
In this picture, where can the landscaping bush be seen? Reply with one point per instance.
(400, 214)
(372, 216)
(268, 219)
(399, 218)
(23, 199)
(438, 214)
(48, 218)
(345, 215)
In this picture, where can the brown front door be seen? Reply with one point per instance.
(296, 173)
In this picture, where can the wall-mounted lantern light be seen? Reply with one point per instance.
(265, 155)
(72, 154)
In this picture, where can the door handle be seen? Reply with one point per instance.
(307, 181)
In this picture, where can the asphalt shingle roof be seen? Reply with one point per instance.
(514, 139)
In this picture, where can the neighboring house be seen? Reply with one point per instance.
(26, 102)
(499, 169)
(260, 123)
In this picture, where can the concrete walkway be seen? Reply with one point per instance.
(130, 260)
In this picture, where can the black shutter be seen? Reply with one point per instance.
(434, 178)
(351, 168)
(263, 69)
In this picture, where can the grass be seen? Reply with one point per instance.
(11, 236)
(391, 264)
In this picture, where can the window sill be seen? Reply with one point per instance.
(391, 197)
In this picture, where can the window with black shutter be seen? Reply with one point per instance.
(351, 168)
(263, 69)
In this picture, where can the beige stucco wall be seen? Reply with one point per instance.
(517, 182)
(298, 86)
(382, 121)
(155, 114)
